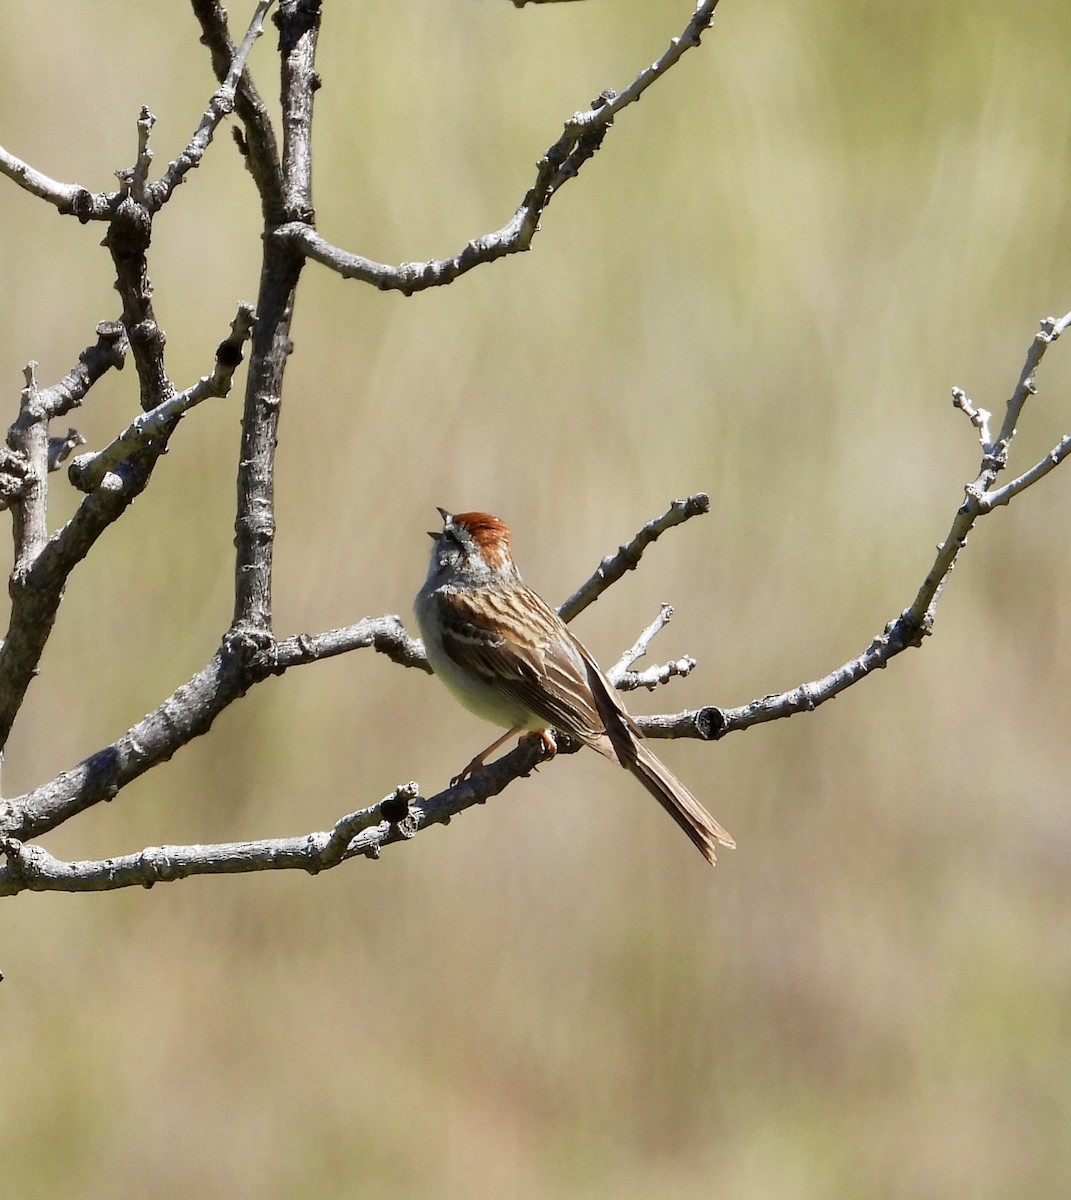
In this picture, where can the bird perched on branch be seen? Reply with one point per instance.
(509, 658)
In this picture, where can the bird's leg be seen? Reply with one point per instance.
(479, 763)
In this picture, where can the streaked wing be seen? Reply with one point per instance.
(490, 634)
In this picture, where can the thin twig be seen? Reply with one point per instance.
(625, 679)
(24, 470)
(62, 195)
(385, 634)
(88, 471)
(221, 104)
(138, 176)
(1050, 330)
(1002, 495)
(398, 817)
(916, 621)
(258, 143)
(639, 647)
(44, 563)
(654, 677)
(582, 136)
(628, 556)
(978, 417)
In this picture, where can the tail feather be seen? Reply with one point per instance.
(681, 805)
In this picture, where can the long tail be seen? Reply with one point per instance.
(681, 805)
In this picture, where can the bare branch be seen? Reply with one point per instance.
(258, 145)
(32, 453)
(1050, 330)
(29, 438)
(583, 135)
(1002, 495)
(88, 471)
(386, 634)
(62, 195)
(706, 724)
(899, 635)
(69, 198)
(14, 476)
(625, 679)
(221, 104)
(915, 622)
(138, 177)
(977, 500)
(654, 677)
(128, 238)
(255, 518)
(978, 417)
(628, 556)
(24, 469)
(107, 353)
(639, 648)
(412, 277)
(30, 868)
(398, 817)
(43, 563)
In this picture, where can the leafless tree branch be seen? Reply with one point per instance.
(242, 662)
(67, 197)
(916, 621)
(627, 557)
(250, 653)
(221, 104)
(43, 563)
(90, 471)
(32, 868)
(287, 194)
(582, 137)
(257, 141)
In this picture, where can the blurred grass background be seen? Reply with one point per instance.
(764, 287)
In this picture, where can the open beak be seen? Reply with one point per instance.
(447, 518)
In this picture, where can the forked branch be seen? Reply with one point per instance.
(916, 621)
(250, 653)
(404, 813)
(582, 136)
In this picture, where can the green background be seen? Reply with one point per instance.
(764, 287)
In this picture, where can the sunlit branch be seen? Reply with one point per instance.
(627, 557)
(221, 104)
(89, 471)
(582, 136)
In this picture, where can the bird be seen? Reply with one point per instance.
(509, 658)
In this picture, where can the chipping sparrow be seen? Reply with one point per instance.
(512, 660)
